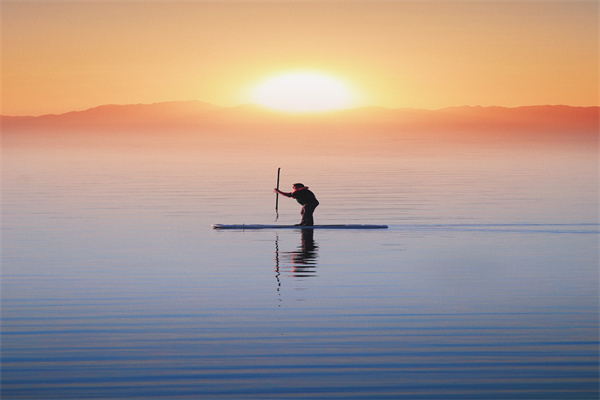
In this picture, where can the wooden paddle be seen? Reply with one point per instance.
(277, 197)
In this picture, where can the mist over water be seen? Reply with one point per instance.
(114, 285)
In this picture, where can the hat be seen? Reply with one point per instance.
(298, 185)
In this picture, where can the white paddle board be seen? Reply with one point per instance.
(257, 226)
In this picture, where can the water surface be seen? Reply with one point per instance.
(115, 286)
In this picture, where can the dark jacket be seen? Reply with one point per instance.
(304, 196)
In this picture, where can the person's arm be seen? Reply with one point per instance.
(283, 193)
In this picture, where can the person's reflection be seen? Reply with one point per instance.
(303, 260)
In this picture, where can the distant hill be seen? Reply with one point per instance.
(112, 115)
(198, 115)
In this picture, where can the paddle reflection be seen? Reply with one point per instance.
(301, 262)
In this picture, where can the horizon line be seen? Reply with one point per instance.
(275, 111)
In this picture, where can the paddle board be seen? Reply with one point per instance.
(255, 226)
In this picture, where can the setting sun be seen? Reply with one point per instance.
(303, 92)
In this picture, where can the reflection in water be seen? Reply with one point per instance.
(301, 262)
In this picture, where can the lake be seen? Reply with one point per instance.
(114, 285)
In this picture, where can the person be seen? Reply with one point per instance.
(307, 199)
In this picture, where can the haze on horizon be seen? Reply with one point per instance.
(65, 56)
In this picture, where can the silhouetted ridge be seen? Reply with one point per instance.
(199, 115)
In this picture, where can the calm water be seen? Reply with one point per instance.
(114, 285)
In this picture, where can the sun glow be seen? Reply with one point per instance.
(303, 92)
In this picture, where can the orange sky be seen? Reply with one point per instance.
(61, 56)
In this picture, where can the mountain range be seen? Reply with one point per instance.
(199, 115)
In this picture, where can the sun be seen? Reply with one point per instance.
(303, 92)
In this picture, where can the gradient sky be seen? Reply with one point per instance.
(63, 56)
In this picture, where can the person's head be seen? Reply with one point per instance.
(298, 186)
